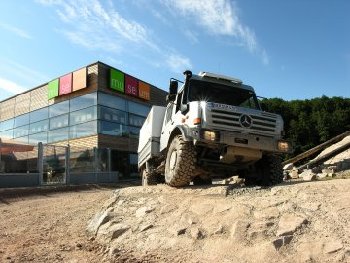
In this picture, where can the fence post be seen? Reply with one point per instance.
(40, 162)
(67, 164)
(95, 163)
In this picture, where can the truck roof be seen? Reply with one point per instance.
(221, 79)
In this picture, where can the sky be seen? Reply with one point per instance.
(292, 49)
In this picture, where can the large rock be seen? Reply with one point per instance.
(294, 174)
(308, 175)
(289, 223)
(99, 219)
(111, 230)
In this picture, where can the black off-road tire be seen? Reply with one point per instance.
(270, 170)
(148, 178)
(180, 162)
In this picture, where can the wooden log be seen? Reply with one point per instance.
(324, 157)
(316, 149)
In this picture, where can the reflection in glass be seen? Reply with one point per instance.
(58, 135)
(6, 125)
(59, 108)
(112, 128)
(138, 108)
(39, 126)
(84, 115)
(81, 130)
(6, 134)
(39, 115)
(21, 120)
(136, 120)
(59, 122)
(111, 101)
(113, 115)
(82, 102)
(38, 137)
(20, 131)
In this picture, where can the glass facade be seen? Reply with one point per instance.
(86, 115)
(82, 116)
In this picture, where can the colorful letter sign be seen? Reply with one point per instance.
(66, 84)
(144, 90)
(53, 89)
(131, 86)
(79, 79)
(117, 80)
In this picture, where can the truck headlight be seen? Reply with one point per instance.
(210, 135)
(283, 146)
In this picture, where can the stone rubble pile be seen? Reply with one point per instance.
(329, 168)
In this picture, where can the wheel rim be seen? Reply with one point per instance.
(172, 162)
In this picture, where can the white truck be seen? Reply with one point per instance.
(212, 127)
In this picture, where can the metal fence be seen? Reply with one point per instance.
(52, 165)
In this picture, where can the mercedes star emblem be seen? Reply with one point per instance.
(245, 121)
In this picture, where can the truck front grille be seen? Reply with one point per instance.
(229, 120)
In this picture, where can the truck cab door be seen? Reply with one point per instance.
(167, 128)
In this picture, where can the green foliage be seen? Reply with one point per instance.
(310, 122)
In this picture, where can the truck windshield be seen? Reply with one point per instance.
(218, 93)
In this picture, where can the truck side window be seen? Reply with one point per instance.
(169, 111)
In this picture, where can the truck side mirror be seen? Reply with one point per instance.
(173, 87)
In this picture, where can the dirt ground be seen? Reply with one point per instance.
(49, 226)
(293, 222)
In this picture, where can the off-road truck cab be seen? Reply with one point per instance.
(213, 126)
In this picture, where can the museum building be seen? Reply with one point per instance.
(94, 107)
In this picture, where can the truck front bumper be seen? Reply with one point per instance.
(216, 139)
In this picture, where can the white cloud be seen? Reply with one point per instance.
(178, 63)
(218, 17)
(91, 25)
(15, 30)
(191, 36)
(10, 86)
(20, 72)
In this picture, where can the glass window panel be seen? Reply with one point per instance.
(81, 130)
(6, 125)
(23, 139)
(134, 132)
(113, 115)
(82, 102)
(6, 134)
(59, 122)
(84, 115)
(39, 115)
(136, 120)
(112, 128)
(59, 108)
(58, 135)
(133, 157)
(111, 101)
(21, 131)
(133, 164)
(39, 126)
(22, 120)
(138, 108)
(38, 137)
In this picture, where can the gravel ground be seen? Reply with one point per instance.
(293, 222)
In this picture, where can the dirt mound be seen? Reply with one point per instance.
(299, 222)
